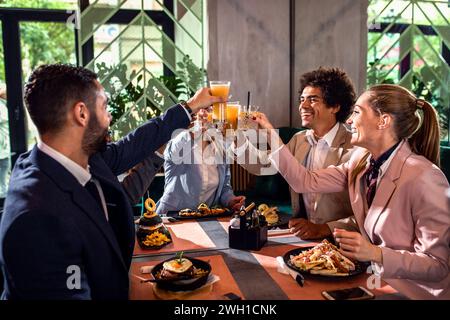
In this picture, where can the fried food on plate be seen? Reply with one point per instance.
(324, 259)
(270, 213)
(202, 211)
(150, 205)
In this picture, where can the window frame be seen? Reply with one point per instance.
(405, 64)
(10, 21)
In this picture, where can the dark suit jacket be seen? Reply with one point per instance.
(55, 242)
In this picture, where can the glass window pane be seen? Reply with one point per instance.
(122, 44)
(40, 4)
(137, 4)
(383, 58)
(43, 43)
(5, 150)
(127, 4)
(421, 28)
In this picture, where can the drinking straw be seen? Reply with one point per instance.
(248, 99)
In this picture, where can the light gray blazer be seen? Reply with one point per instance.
(183, 181)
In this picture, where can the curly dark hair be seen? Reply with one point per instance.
(52, 89)
(336, 87)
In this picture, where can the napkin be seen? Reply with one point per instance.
(284, 269)
(146, 269)
(281, 266)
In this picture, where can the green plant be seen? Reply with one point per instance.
(377, 73)
(191, 77)
(429, 91)
(41, 42)
(142, 100)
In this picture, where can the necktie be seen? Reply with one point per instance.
(374, 170)
(301, 210)
(91, 187)
(371, 181)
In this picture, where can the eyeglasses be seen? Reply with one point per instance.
(310, 99)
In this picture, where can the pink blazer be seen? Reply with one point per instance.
(409, 217)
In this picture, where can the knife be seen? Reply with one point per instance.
(297, 277)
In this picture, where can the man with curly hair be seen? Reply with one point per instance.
(326, 99)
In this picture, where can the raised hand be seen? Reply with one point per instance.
(202, 99)
(262, 120)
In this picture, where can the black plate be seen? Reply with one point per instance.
(360, 267)
(283, 221)
(174, 214)
(183, 284)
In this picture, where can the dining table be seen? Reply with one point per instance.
(241, 274)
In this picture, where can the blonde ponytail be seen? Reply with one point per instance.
(425, 141)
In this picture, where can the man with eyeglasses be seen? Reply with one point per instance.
(326, 99)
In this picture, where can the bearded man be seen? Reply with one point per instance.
(67, 229)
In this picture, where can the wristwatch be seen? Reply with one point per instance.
(185, 105)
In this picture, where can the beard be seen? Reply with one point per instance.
(95, 137)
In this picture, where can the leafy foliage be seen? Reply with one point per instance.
(134, 99)
(429, 91)
(41, 42)
(191, 77)
(377, 73)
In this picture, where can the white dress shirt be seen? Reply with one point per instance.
(316, 160)
(209, 174)
(81, 174)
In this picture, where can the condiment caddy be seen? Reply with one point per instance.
(248, 229)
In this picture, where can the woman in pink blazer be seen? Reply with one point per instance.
(396, 188)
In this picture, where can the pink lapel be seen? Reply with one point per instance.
(386, 188)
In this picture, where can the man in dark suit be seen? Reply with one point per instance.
(67, 229)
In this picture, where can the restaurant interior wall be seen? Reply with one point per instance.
(263, 46)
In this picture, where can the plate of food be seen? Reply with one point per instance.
(181, 273)
(202, 211)
(151, 233)
(274, 217)
(323, 261)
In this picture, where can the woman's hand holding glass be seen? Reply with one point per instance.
(272, 136)
(245, 117)
(262, 120)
